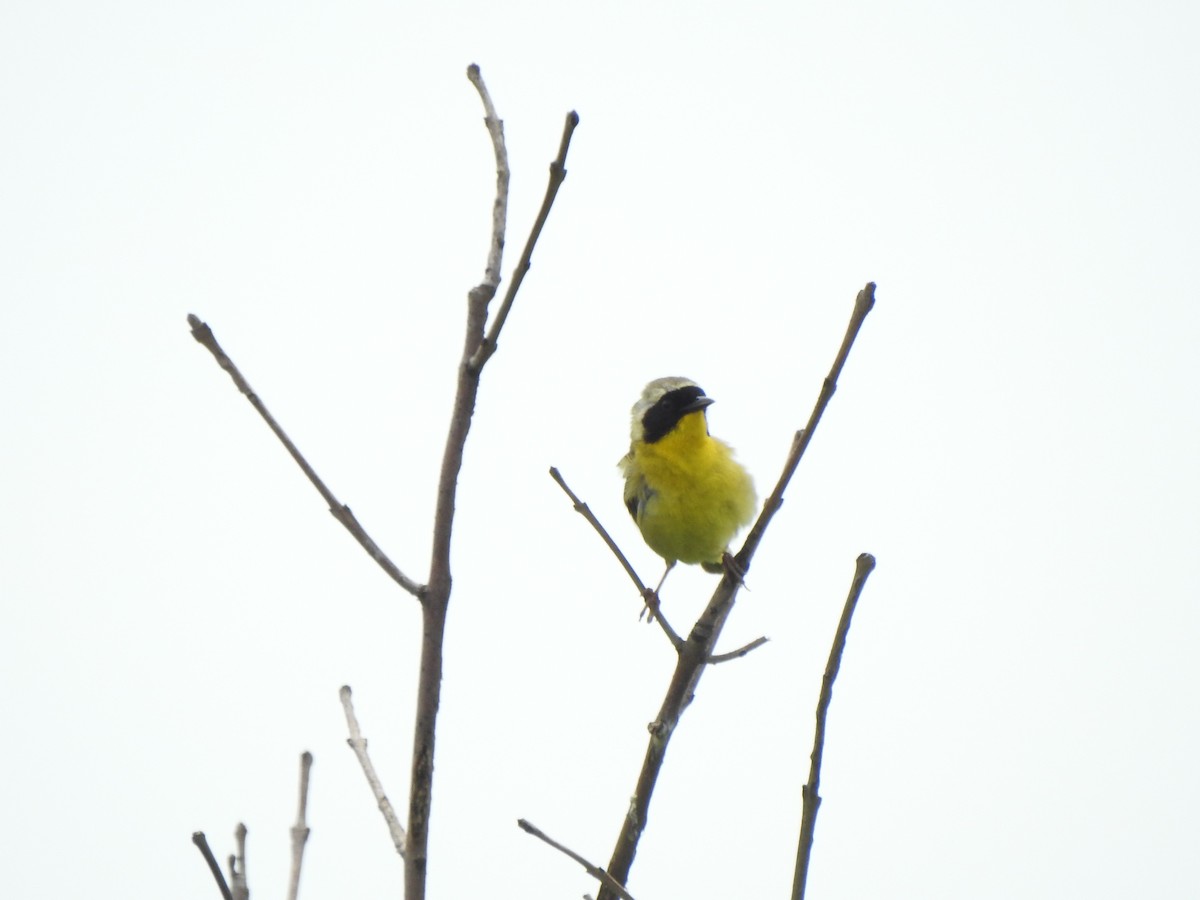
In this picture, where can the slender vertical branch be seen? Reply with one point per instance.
(436, 599)
(237, 866)
(811, 798)
(358, 744)
(300, 830)
(495, 128)
(697, 651)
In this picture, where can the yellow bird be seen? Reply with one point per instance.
(684, 489)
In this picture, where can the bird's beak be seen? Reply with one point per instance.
(698, 404)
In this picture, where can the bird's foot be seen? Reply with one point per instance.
(650, 610)
(732, 568)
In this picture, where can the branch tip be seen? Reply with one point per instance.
(810, 794)
(607, 882)
(358, 744)
(201, 841)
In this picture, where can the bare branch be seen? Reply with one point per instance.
(584, 510)
(595, 871)
(558, 173)
(863, 304)
(204, 335)
(300, 830)
(812, 799)
(495, 128)
(697, 650)
(737, 654)
(199, 839)
(358, 744)
(237, 866)
(436, 598)
(648, 595)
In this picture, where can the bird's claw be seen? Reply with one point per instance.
(733, 568)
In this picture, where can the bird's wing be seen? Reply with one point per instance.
(637, 490)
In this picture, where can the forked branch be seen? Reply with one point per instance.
(477, 350)
(558, 173)
(435, 594)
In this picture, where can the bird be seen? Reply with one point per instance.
(683, 487)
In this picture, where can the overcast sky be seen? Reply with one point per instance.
(1015, 438)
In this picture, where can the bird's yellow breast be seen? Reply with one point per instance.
(687, 493)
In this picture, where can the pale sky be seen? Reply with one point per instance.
(1015, 438)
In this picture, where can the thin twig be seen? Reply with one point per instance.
(558, 173)
(239, 886)
(738, 653)
(811, 798)
(698, 648)
(647, 594)
(201, 841)
(204, 335)
(584, 510)
(595, 871)
(300, 830)
(358, 744)
(495, 128)
(863, 304)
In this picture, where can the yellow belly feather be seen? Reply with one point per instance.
(691, 496)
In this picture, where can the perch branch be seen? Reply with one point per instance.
(595, 871)
(584, 510)
(204, 335)
(201, 841)
(811, 798)
(358, 744)
(698, 648)
(436, 598)
(648, 594)
(300, 830)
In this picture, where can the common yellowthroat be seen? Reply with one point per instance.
(684, 489)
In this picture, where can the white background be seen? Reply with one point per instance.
(1015, 438)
